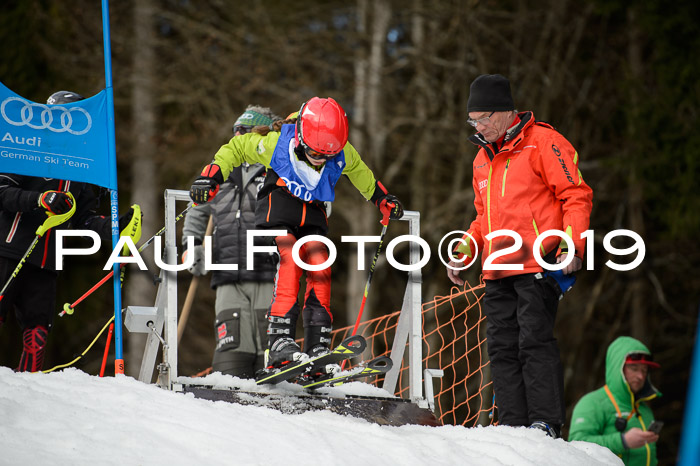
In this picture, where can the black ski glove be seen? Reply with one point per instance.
(55, 202)
(206, 186)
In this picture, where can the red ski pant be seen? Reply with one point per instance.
(317, 298)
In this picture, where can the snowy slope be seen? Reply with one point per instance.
(71, 418)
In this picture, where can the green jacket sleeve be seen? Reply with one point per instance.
(358, 172)
(588, 423)
(251, 148)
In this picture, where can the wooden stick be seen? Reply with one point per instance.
(189, 299)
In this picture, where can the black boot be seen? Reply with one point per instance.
(552, 430)
(317, 340)
(283, 348)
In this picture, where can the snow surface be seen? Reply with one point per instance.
(72, 418)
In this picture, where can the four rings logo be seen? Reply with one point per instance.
(297, 189)
(63, 119)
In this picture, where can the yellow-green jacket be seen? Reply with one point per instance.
(255, 148)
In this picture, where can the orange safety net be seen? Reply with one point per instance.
(454, 340)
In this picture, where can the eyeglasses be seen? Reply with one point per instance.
(242, 129)
(481, 121)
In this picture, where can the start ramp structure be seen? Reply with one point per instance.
(160, 323)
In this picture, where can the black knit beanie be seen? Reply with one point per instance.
(490, 93)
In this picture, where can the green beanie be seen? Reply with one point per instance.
(252, 118)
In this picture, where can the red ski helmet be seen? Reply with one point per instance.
(322, 126)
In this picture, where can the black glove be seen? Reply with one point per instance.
(389, 205)
(125, 219)
(206, 186)
(55, 202)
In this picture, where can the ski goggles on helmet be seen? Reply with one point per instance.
(316, 155)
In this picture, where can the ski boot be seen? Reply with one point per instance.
(551, 430)
(317, 341)
(283, 349)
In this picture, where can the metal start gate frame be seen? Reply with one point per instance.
(164, 328)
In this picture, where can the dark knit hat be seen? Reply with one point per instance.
(490, 93)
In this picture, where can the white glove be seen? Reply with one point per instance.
(197, 269)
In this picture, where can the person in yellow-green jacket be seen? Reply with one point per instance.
(305, 156)
(617, 415)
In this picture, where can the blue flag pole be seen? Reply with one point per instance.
(114, 197)
(690, 448)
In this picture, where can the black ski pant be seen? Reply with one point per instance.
(525, 364)
(31, 294)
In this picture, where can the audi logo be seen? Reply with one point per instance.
(297, 189)
(48, 115)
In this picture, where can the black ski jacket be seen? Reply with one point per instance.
(20, 216)
(233, 212)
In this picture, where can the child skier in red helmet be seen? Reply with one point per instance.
(305, 160)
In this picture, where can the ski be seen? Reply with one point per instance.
(376, 366)
(349, 348)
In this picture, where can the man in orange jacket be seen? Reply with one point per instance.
(526, 181)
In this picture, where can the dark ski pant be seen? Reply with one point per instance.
(32, 294)
(526, 368)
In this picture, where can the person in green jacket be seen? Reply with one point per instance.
(617, 415)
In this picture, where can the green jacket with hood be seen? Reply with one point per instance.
(593, 419)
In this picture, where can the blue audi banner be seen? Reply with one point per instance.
(67, 141)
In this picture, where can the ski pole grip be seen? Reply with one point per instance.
(53, 220)
(385, 219)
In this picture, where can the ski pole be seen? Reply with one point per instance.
(109, 340)
(68, 308)
(52, 220)
(385, 224)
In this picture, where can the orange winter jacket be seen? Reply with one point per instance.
(530, 185)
